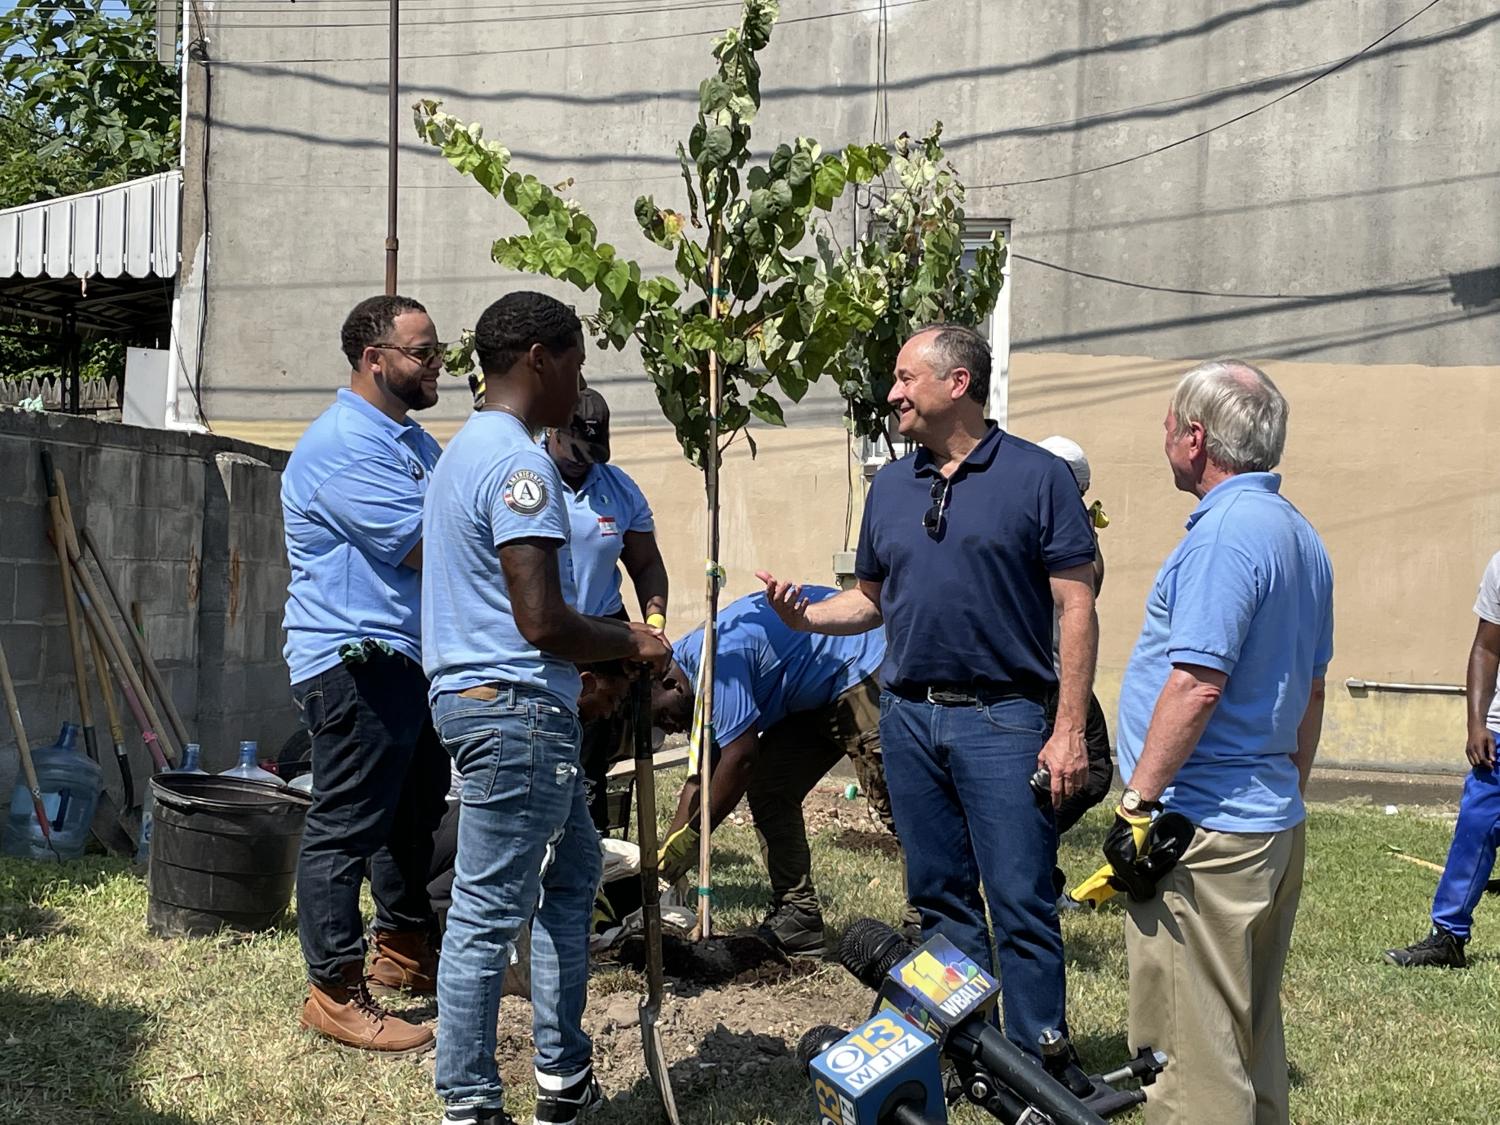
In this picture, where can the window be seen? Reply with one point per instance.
(996, 326)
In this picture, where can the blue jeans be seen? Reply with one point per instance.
(966, 815)
(525, 844)
(1471, 857)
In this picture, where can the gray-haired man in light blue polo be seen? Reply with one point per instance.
(1221, 709)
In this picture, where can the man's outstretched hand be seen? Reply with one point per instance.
(787, 600)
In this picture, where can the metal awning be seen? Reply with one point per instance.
(104, 259)
(126, 230)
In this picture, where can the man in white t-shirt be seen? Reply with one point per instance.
(1471, 857)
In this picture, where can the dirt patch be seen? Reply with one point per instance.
(720, 1041)
(826, 809)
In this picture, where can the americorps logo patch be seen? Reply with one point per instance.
(525, 492)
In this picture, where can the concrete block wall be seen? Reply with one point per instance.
(190, 529)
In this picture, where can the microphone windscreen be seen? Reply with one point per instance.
(869, 948)
(816, 1040)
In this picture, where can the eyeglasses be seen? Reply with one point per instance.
(933, 520)
(422, 353)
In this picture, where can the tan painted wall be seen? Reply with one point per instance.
(1389, 463)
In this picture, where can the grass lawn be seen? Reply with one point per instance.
(101, 1022)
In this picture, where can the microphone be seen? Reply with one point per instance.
(948, 996)
(884, 1072)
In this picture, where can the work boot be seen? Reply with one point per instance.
(793, 930)
(1438, 949)
(348, 1014)
(404, 961)
(562, 1107)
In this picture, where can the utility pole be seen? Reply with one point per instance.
(392, 244)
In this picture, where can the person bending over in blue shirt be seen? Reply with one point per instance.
(351, 499)
(1471, 857)
(611, 524)
(501, 645)
(788, 707)
(1221, 710)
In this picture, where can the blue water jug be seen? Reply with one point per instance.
(190, 755)
(248, 770)
(70, 783)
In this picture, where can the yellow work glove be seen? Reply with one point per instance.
(1127, 838)
(679, 854)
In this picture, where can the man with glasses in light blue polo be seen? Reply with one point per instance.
(351, 500)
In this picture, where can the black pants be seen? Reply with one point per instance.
(1101, 769)
(379, 780)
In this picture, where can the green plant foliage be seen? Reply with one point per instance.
(84, 90)
(780, 318)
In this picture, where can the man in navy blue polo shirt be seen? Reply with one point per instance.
(351, 501)
(1221, 709)
(966, 546)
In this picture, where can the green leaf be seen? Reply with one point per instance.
(715, 150)
(713, 95)
(615, 279)
(767, 409)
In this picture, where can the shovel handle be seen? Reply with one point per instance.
(28, 767)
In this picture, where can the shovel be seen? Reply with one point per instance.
(645, 811)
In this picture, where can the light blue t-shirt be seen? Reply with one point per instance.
(1248, 592)
(600, 512)
(351, 506)
(494, 485)
(765, 671)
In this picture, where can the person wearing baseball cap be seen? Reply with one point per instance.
(611, 524)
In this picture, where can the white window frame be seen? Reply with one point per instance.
(976, 233)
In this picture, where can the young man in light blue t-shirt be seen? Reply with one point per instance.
(501, 644)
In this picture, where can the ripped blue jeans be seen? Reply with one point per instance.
(527, 851)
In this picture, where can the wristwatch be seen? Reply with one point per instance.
(1133, 803)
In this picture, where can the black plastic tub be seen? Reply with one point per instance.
(223, 853)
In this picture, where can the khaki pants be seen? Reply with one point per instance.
(1206, 961)
(794, 756)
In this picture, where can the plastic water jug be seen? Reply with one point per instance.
(247, 769)
(70, 783)
(190, 755)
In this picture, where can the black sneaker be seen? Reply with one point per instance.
(562, 1107)
(1439, 948)
(796, 932)
(477, 1115)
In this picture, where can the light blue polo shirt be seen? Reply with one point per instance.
(1249, 592)
(351, 506)
(493, 485)
(606, 505)
(764, 671)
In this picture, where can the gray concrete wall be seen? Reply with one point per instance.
(190, 526)
(1355, 222)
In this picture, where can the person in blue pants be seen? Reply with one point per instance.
(1471, 857)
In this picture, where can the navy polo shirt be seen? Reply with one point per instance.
(970, 608)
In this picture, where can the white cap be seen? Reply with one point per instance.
(1071, 452)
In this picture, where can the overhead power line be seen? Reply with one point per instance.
(1201, 133)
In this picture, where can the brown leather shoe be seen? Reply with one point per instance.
(404, 960)
(348, 1014)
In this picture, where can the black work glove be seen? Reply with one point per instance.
(1142, 850)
